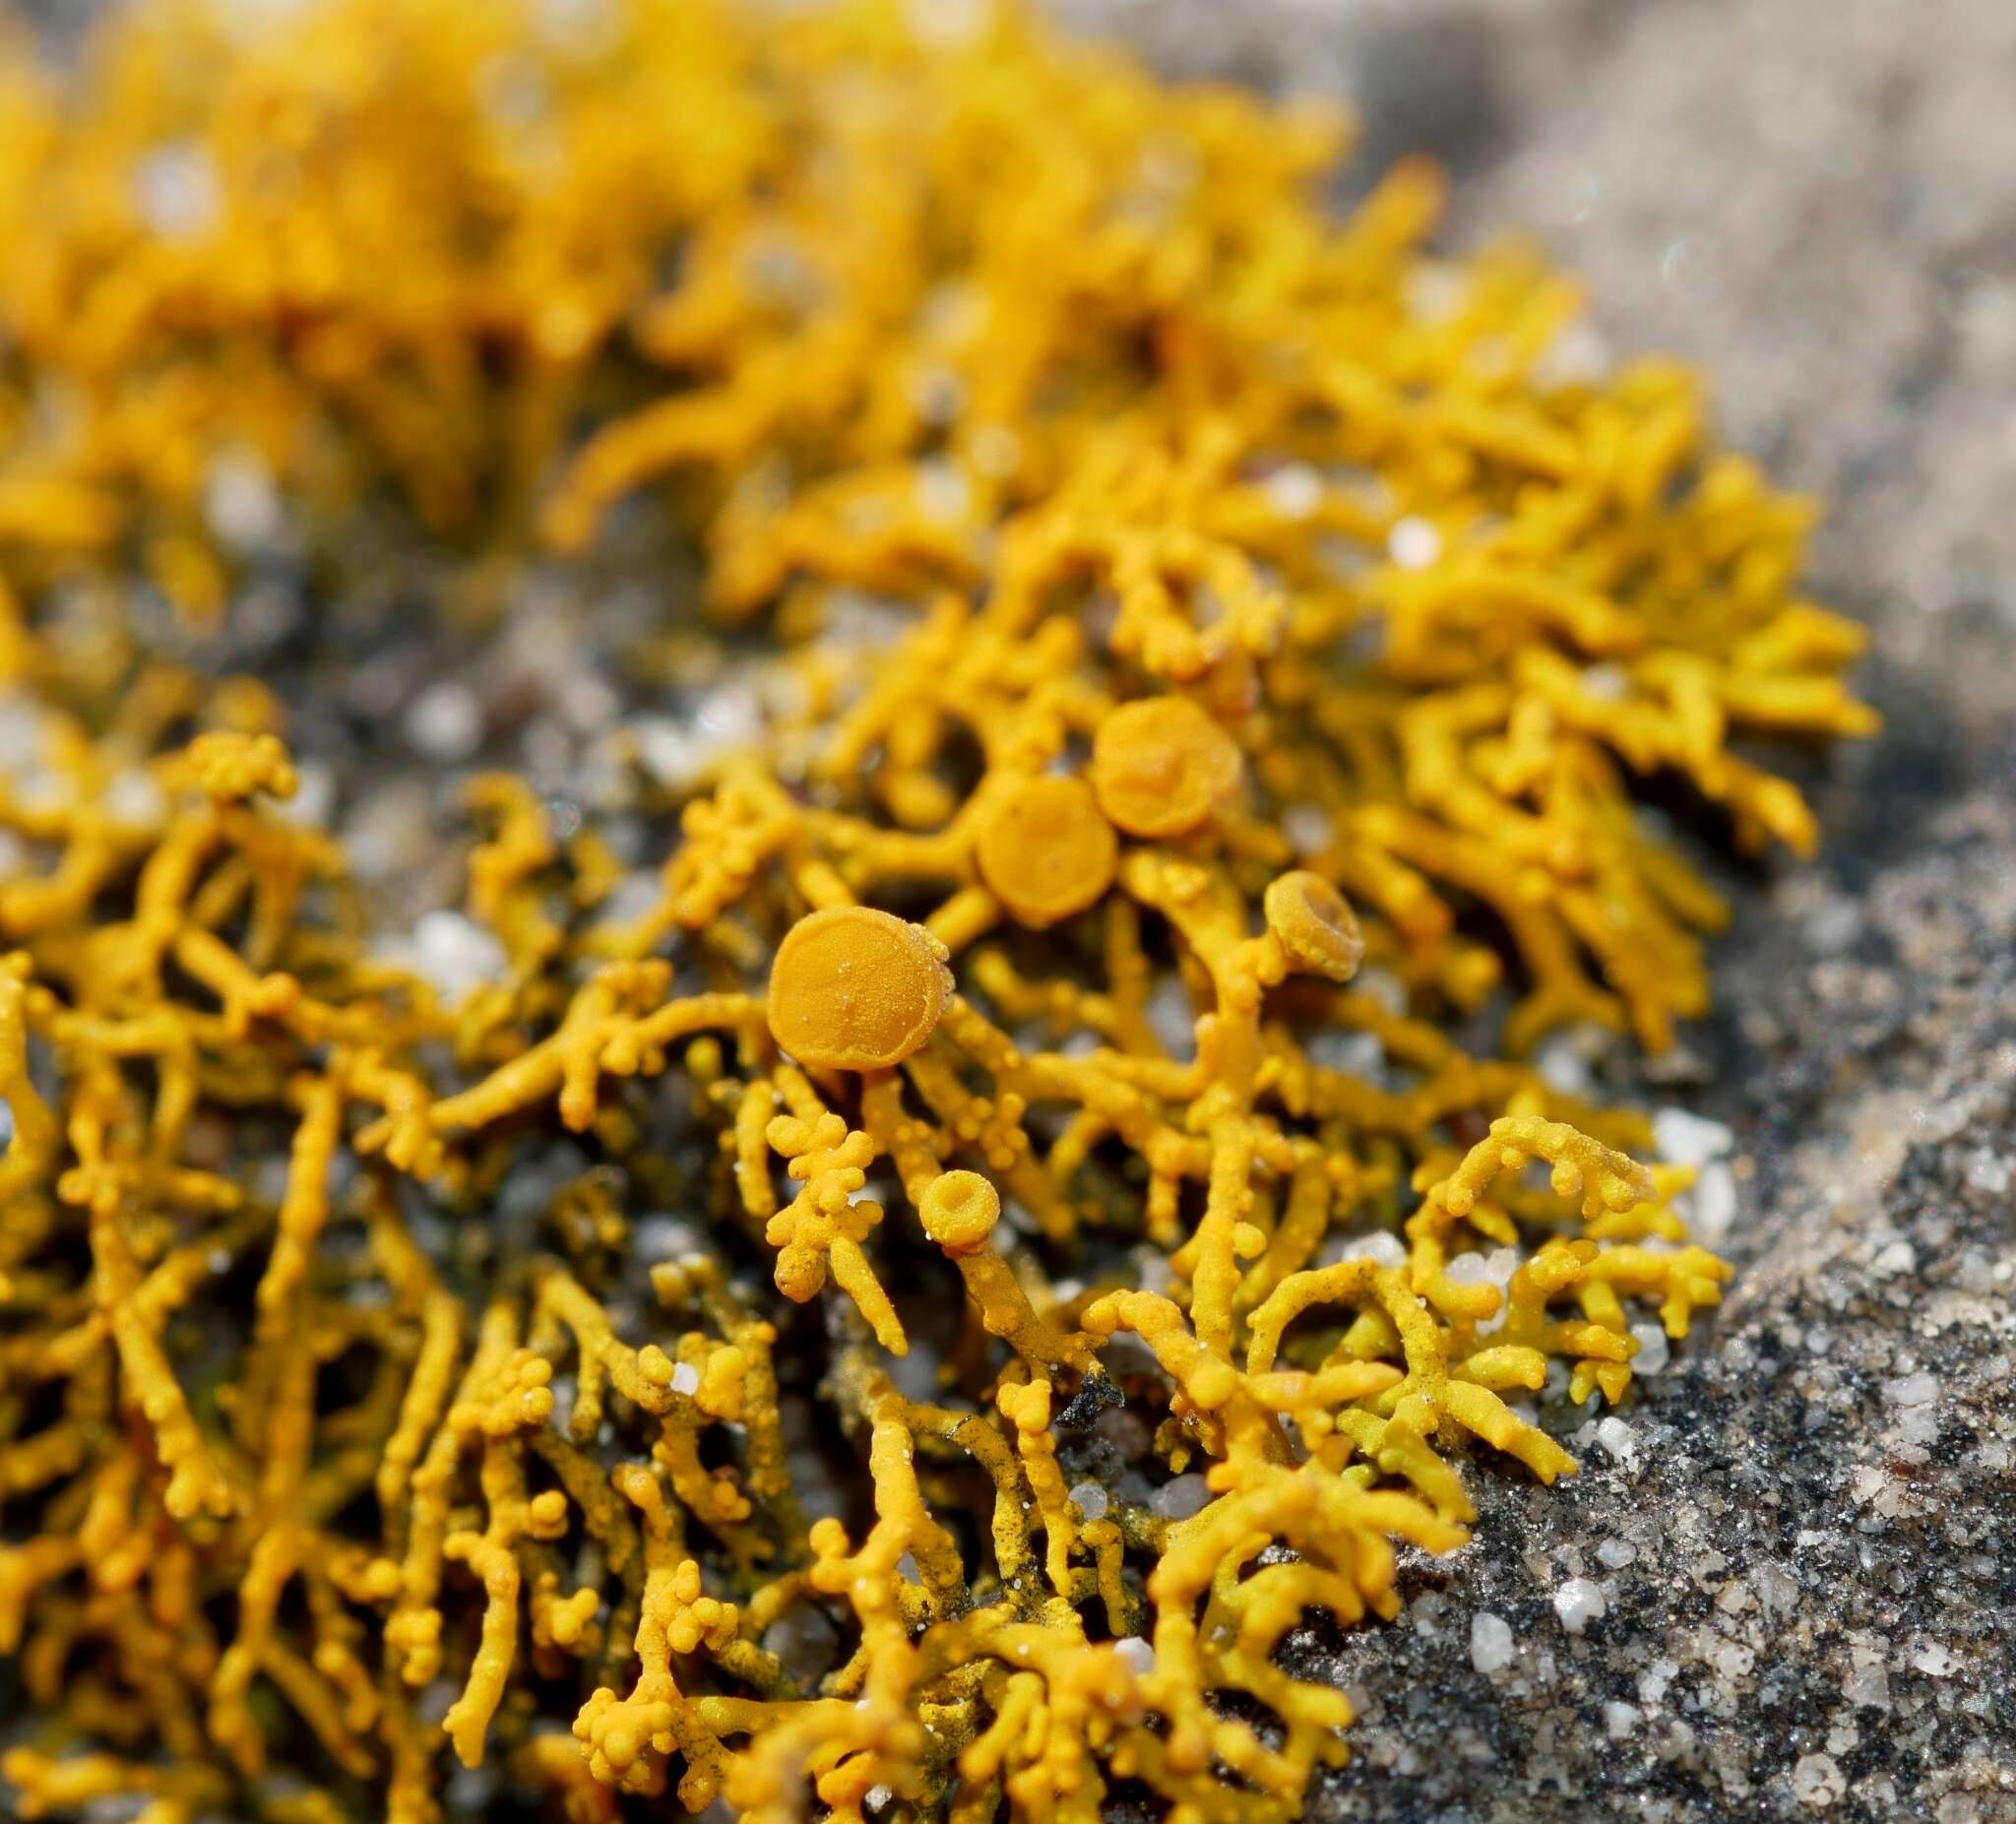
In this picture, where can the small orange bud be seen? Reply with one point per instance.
(959, 1211)
(1315, 925)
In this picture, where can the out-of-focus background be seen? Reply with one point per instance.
(1799, 1540)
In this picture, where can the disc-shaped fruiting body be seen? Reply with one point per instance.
(1314, 926)
(959, 1211)
(1161, 766)
(1047, 851)
(854, 989)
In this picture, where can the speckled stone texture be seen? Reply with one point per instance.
(1802, 1540)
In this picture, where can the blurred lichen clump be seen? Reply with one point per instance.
(1031, 1236)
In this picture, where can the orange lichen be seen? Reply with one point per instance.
(1314, 926)
(1161, 766)
(1172, 674)
(1046, 851)
(854, 989)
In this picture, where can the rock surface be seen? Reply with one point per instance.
(1784, 1584)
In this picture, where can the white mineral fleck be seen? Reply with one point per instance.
(1867, 1483)
(1776, 1587)
(314, 796)
(1835, 925)
(1562, 1067)
(1090, 1499)
(445, 723)
(1654, 1351)
(589, 702)
(1295, 491)
(1715, 1201)
(1380, 1245)
(453, 953)
(916, 1375)
(134, 797)
(1152, 1272)
(675, 751)
(1817, 1780)
(633, 897)
(1618, 1439)
(1436, 289)
(1357, 1055)
(44, 791)
(1615, 1554)
(22, 726)
(1918, 1425)
(1899, 1257)
(1577, 355)
(1181, 1498)
(1578, 1603)
(1687, 1139)
(177, 190)
(470, 1793)
(1383, 986)
(1868, 1686)
(1134, 1654)
(661, 1236)
(1491, 1642)
(1919, 1389)
(239, 500)
(1308, 827)
(1935, 1660)
(1655, 1680)
(1486, 1267)
(1987, 1171)
(942, 491)
(1621, 1719)
(947, 24)
(1606, 683)
(1173, 1019)
(685, 1378)
(1413, 543)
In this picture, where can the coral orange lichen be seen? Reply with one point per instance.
(1314, 926)
(1161, 766)
(1140, 648)
(854, 989)
(1046, 852)
(959, 1211)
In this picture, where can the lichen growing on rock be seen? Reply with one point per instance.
(1055, 1319)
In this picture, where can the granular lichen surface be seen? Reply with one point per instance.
(983, 1160)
